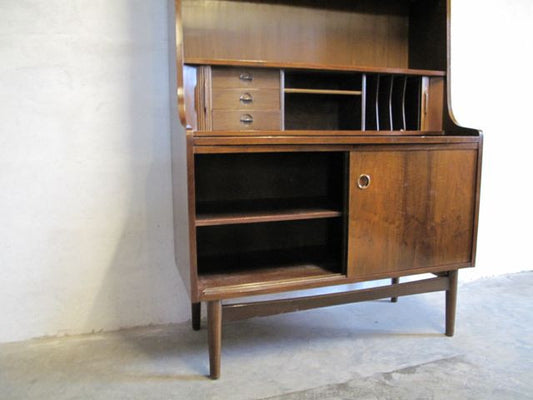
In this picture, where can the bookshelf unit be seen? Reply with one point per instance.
(316, 151)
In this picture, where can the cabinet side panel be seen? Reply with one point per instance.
(180, 187)
(432, 98)
(417, 212)
(435, 106)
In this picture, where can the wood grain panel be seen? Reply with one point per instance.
(345, 32)
(418, 210)
(433, 106)
(203, 98)
(267, 139)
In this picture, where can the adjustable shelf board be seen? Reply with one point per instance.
(249, 217)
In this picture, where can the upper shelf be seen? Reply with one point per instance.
(383, 34)
(318, 67)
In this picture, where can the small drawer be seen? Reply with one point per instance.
(246, 120)
(245, 78)
(246, 99)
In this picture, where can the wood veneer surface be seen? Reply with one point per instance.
(418, 210)
(334, 32)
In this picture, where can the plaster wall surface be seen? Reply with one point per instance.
(85, 202)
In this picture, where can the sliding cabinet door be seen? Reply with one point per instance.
(411, 208)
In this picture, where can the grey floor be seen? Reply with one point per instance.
(374, 350)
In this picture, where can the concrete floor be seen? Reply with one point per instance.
(374, 350)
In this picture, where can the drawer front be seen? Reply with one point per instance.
(246, 120)
(246, 99)
(245, 78)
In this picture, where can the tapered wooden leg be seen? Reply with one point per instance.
(196, 312)
(214, 327)
(394, 281)
(451, 301)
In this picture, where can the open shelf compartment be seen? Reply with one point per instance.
(323, 100)
(268, 187)
(257, 253)
(265, 217)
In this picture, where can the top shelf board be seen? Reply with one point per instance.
(318, 67)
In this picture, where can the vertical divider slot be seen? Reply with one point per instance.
(398, 103)
(385, 103)
(412, 103)
(363, 102)
(370, 98)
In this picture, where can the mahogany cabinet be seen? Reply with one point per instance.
(313, 145)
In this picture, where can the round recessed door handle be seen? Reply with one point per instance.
(364, 181)
(246, 98)
(246, 76)
(247, 119)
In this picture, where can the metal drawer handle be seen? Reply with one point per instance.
(247, 119)
(246, 76)
(364, 181)
(246, 98)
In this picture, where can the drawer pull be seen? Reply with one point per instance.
(246, 76)
(247, 119)
(246, 98)
(364, 181)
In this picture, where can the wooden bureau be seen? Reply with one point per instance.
(314, 145)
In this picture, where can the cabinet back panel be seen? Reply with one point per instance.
(427, 34)
(272, 236)
(255, 177)
(322, 80)
(322, 112)
(318, 32)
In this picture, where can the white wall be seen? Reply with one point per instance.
(85, 203)
(492, 64)
(85, 200)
